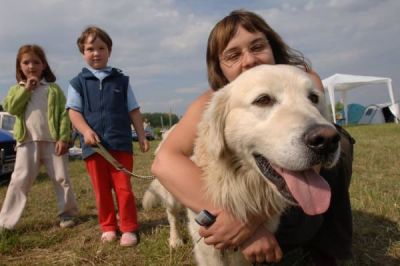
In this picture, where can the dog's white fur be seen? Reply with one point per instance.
(266, 110)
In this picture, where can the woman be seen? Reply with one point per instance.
(237, 43)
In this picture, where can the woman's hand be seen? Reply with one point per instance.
(227, 231)
(61, 147)
(261, 247)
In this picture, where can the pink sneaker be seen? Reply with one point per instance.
(108, 236)
(129, 239)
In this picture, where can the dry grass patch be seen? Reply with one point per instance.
(38, 240)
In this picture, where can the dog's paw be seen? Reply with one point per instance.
(175, 242)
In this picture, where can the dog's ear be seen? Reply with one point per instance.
(214, 122)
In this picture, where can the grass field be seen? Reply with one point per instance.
(37, 239)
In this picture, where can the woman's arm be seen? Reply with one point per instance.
(172, 165)
(317, 80)
(182, 178)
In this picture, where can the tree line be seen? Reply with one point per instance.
(161, 120)
(156, 120)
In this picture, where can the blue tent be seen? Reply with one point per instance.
(354, 113)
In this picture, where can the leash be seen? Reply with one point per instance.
(109, 158)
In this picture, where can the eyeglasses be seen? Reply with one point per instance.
(235, 55)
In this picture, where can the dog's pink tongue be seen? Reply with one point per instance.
(310, 190)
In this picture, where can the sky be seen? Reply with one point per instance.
(161, 44)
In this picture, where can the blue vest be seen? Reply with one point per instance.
(104, 106)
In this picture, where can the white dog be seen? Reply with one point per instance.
(258, 144)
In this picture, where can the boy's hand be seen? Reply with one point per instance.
(144, 145)
(90, 137)
(61, 147)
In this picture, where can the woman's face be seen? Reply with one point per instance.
(244, 51)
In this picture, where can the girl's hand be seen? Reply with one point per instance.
(61, 147)
(144, 145)
(31, 83)
(261, 247)
(227, 231)
(90, 137)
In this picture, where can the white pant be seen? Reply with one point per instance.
(30, 156)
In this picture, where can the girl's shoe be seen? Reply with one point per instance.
(108, 236)
(67, 222)
(129, 239)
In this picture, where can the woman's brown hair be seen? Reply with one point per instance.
(226, 29)
(39, 52)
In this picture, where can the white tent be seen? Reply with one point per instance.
(377, 114)
(342, 83)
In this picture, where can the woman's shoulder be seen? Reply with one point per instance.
(316, 79)
(206, 96)
(196, 108)
(199, 104)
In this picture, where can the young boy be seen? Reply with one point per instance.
(102, 106)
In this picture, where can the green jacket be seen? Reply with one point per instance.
(16, 101)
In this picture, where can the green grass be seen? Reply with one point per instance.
(37, 239)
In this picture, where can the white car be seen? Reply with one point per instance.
(7, 121)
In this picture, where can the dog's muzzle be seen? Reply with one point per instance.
(322, 139)
(271, 175)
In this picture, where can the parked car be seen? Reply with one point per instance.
(134, 135)
(148, 132)
(7, 121)
(7, 153)
(75, 152)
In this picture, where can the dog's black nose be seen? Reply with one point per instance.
(322, 139)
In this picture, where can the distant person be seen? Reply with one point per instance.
(237, 43)
(42, 131)
(146, 123)
(102, 107)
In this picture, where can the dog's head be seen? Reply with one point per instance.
(273, 117)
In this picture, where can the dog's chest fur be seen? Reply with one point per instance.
(234, 185)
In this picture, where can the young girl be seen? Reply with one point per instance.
(42, 131)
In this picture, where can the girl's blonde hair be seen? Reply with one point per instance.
(39, 52)
(226, 29)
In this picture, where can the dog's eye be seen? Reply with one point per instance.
(264, 100)
(313, 98)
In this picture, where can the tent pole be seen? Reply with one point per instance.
(332, 100)
(391, 95)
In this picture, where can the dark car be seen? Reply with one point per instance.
(7, 153)
(134, 136)
(148, 132)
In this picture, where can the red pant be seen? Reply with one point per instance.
(104, 179)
